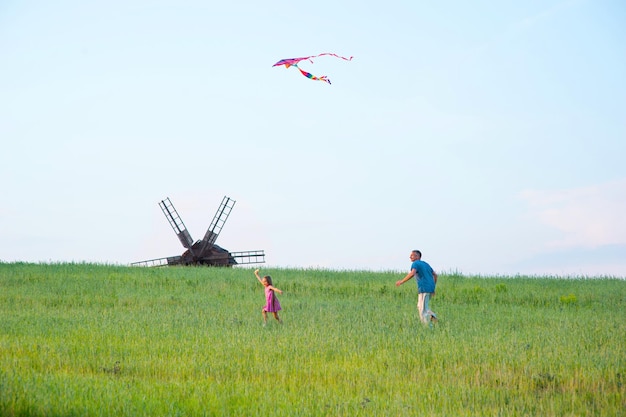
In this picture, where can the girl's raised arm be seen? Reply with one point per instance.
(256, 274)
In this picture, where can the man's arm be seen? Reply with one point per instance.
(406, 278)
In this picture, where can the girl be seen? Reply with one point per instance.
(271, 302)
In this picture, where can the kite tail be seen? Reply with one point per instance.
(335, 55)
(313, 77)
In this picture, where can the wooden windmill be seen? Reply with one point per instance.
(205, 251)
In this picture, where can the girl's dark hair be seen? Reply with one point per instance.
(269, 279)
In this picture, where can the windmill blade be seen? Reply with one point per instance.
(218, 222)
(176, 222)
(170, 260)
(249, 257)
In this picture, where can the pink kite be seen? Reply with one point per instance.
(293, 62)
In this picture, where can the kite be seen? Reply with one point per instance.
(293, 62)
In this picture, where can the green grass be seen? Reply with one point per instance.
(98, 340)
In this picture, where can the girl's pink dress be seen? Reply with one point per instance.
(271, 302)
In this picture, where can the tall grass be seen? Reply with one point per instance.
(98, 340)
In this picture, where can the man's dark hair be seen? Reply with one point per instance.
(418, 252)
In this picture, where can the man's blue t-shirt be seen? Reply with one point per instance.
(425, 279)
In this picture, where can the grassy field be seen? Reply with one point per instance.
(98, 340)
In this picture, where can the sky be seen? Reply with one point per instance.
(489, 135)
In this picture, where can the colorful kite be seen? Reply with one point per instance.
(293, 62)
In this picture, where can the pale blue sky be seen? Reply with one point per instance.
(490, 135)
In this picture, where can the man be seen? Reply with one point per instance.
(426, 282)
